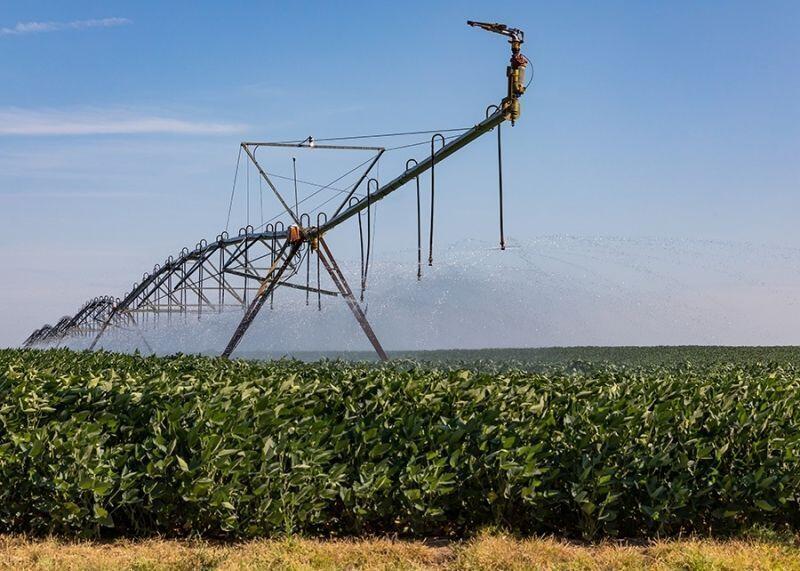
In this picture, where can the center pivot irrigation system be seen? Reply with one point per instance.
(245, 270)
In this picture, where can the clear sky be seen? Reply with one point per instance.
(119, 123)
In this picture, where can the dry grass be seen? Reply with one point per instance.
(491, 552)
(501, 552)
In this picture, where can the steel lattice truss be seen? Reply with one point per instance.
(225, 273)
(86, 321)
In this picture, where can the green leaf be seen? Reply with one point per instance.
(765, 505)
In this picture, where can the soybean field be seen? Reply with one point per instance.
(585, 443)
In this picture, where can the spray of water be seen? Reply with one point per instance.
(556, 290)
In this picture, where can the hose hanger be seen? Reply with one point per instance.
(433, 188)
(368, 249)
(308, 272)
(247, 231)
(489, 110)
(201, 246)
(305, 222)
(222, 236)
(272, 256)
(352, 201)
(272, 247)
(279, 227)
(419, 222)
(322, 218)
(157, 294)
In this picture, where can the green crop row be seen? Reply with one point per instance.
(539, 357)
(99, 443)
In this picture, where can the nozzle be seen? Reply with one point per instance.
(513, 33)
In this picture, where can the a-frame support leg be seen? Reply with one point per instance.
(330, 264)
(267, 286)
(103, 328)
(135, 328)
(139, 332)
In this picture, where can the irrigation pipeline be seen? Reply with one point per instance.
(245, 270)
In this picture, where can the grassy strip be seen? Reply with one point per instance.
(485, 552)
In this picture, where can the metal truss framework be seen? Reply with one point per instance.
(224, 273)
(245, 270)
(93, 314)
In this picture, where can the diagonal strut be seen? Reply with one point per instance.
(330, 264)
(267, 286)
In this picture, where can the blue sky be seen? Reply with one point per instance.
(119, 123)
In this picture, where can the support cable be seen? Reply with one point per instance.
(261, 198)
(309, 183)
(233, 189)
(419, 144)
(330, 186)
(377, 136)
(294, 173)
(326, 187)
